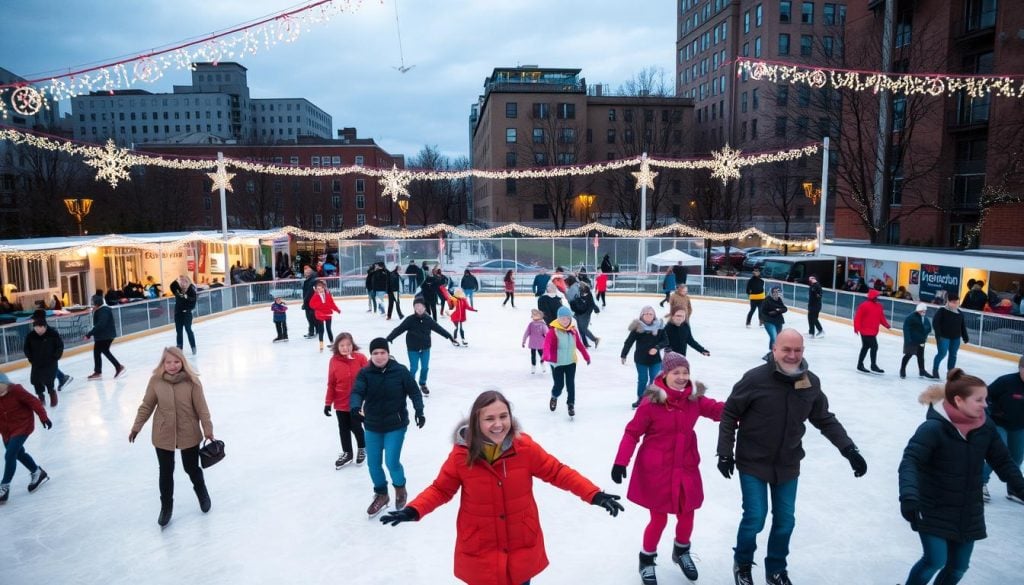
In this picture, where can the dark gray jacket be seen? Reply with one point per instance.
(380, 393)
(102, 324)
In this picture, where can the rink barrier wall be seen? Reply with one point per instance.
(992, 334)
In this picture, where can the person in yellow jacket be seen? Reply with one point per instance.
(755, 292)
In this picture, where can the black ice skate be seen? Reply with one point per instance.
(39, 477)
(424, 390)
(780, 578)
(343, 460)
(647, 576)
(741, 573)
(681, 557)
(360, 456)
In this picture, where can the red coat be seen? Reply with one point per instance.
(459, 307)
(601, 283)
(323, 307)
(666, 477)
(510, 286)
(341, 374)
(498, 536)
(870, 316)
(16, 408)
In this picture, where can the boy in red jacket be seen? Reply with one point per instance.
(16, 424)
(869, 317)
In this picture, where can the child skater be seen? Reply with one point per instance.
(679, 334)
(666, 478)
(459, 305)
(346, 361)
(940, 477)
(560, 347)
(534, 334)
(488, 547)
(510, 289)
(280, 310)
(323, 307)
(16, 424)
(43, 347)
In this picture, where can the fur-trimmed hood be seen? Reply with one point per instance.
(459, 436)
(933, 394)
(640, 327)
(658, 394)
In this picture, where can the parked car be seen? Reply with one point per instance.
(798, 268)
(756, 257)
(499, 266)
(735, 258)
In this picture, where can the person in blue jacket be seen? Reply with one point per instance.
(540, 282)
(916, 329)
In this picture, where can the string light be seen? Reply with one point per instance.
(932, 84)
(645, 176)
(221, 178)
(29, 97)
(111, 164)
(727, 164)
(395, 182)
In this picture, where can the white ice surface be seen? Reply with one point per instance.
(282, 514)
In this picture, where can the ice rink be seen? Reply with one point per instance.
(282, 513)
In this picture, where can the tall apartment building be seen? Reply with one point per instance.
(216, 107)
(941, 152)
(753, 115)
(534, 117)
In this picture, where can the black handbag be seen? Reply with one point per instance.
(211, 453)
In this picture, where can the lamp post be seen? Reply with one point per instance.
(587, 201)
(403, 206)
(814, 193)
(78, 208)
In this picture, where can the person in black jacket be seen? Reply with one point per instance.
(469, 285)
(104, 331)
(549, 303)
(379, 285)
(583, 308)
(417, 328)
(940, 477)
(764, 418)
(916, 328)
(949, 330)
(307, 293)
(1006, 409)
(679, 336)
(648, 333)
(814, 295)
(413, 276)
(755, 292)
(976, 299)
(43, 347)
(431, 289)
(393, 287)
(379, 397)
(771, 313)
(184, 302)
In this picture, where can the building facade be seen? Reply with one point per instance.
(216, 107)
(531, 117)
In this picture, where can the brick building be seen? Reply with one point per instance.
(940, 152)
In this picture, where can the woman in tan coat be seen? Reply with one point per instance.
(176, 397)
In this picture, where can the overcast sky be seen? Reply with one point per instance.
(346, 66)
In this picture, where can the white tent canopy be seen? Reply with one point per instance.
(673, 256)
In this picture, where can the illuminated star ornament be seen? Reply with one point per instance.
(221, 178)
(645, 176)
(726, 164)
(395, 182)
(111, 163)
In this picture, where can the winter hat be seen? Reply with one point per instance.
(379, 343)
(776, 288)
(564, 312)
(921, 307)
(673, 360)
(39, 321)
(97, 300)
(953, 296)
(419, 301)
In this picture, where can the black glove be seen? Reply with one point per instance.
(618, 472)
(910, 511)
(327, 410)
(420, 421)
(608, 502)
(47, 424)
(726, 465)
(860, 467)
(396, 517)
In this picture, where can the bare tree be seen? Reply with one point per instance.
(44, 179)
(555, 141)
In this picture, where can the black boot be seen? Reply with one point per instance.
(204, 498)
(165, 513)
(741, 574)
(681, 557)
(647, 576)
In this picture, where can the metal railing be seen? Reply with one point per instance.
(999, 332)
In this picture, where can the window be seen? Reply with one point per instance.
(743, 130)
(780, 126)
(566, 158)
(746, 49)
(785, 11)
(566, 135)
(566, 111)
(627, 135)
(315, 161)
(360, 201)
(540, 158)
(611, 114)
(538, 136)
(757, 47)
(316, 186)
(336, 201)
(510, 135)
(207, 202)
(759, 16)
(510, 160)
(783, 44)
(755, 103)
(806, 45)
(510, 186)
(360, 219)
(511, 110)
(807, 13)
(803, 96)
(782, 95)
(293, 160)
(827, 46)
(743, 102)
(894, 232)
(842, 14)
(611, 136)
(828, 13)
(746, 22)
(980, 14)
(541, 110)
(336, 185)
(753, 128)
(360, 185)
(904, 24)
(628, 115)
(336, 161)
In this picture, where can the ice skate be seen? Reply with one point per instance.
(741, 575)
(533, 369)
(780, 578)
(401, 497)
(64, 382)
(39, 477)
(424, 390)
(1014, 498)
(681, 557)
(165, 513)
(464, 343)
(553, 404)
(343, 460)
(876, 369)
(120, 370)
(379, 503)
(53, 398)
(985, 496)
(360, 456)
(95, 376)
(862, 369)
(5, 490)
(647, 576)
(321, 347)
(572, 411)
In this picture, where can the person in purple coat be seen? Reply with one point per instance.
(666, 478)
(534, 336)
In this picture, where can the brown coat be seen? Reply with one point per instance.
(180, 408)
(678, 301)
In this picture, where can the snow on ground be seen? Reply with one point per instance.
(282, 513)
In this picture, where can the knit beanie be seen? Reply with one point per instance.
(419, 301)
(673, 360)
(379, 343)
(564, 312)
(921, 307)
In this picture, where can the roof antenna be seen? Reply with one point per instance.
(403, 68)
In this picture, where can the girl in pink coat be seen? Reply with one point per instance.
(534, 335)
(666, 479)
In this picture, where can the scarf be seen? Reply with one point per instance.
(175, 378)
(962, 422)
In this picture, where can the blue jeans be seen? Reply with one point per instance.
(773, 332)
(469, 295)
(378, 300)
(417, 359)
(952, 557)
(755, 510)
(381, 449)
(1014, 442)
(645, 377)
(16, 452)
(946, 345)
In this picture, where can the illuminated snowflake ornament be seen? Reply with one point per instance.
(111, 164)
(726, 164)
(395, 183)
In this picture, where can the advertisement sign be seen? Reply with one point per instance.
(935, 278)
(216, 263)
(883, 270)
(910, 277)
(79, 265)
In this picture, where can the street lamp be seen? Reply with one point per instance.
(78, 208)
(811, 192)
(403, 206)
(587, 201)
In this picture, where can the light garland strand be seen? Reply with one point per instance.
(900, 83)
(29, 97)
